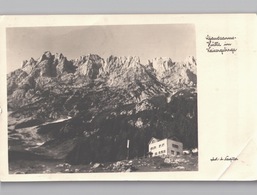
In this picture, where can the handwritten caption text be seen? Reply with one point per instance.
(220, 44)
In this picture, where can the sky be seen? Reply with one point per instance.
(146, 41)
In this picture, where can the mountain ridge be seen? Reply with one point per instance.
(116, 71)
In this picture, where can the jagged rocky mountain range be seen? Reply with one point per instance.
(105, 102)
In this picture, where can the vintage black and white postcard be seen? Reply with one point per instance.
(128, 97)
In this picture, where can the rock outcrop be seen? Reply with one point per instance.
(175, 74)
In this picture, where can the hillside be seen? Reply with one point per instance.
(84, 110)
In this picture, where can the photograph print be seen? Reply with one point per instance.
(102, 99)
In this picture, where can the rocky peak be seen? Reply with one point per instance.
(63, 65)
(190, 64)
(31, 61)
(89, 57)
(46, 56)
(190, 60)
(132, 61)
(161, 65)
(28, 65)
(45, 66)
(59, 56)
(24, 62)
(90, 65)
(114, 63)
(127, 73)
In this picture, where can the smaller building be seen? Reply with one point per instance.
(165, 147)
